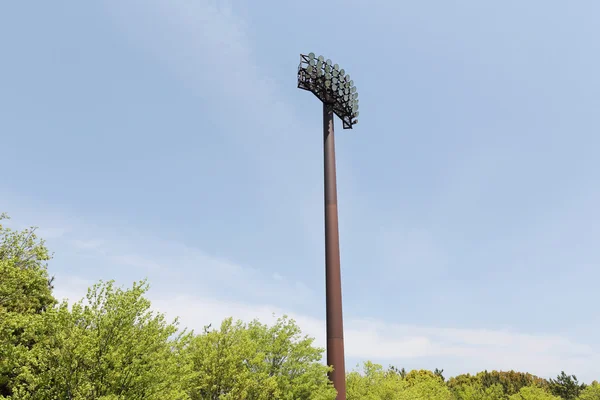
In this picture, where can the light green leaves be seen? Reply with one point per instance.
(255, 361)
(110, 345)
(533, 393)
(591, 392)
(376, 384)
(25, 292)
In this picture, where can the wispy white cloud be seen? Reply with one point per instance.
(246, 293)
(168, 265)
(472, 349)
(366, 339)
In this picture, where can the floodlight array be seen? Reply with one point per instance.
(331, 85)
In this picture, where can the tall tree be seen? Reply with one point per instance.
(566, 386)
(402, 372)
(373, 383)
(591, 392)
(25, 293)
(111, 346)
(25, 286)
(440, 373)
(255, 362)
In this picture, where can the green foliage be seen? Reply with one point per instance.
(402, 372)
(376, 384)
(111, 346)
(424, 385)
(254, 361)
(591, 392)
(566, 386)
(25, 292)
(533, 393)
(25, 287)
(511, 381)
(476, 391)
(18, 334)
(463, 379)
(440, 373)
(489, 383)
(419, 375)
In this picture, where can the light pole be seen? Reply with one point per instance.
(334, 88)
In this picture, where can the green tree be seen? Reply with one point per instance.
(25, 293)
(566, 386)
(402, 372)
(424, 385)
(456, 382)
(533, 393)
(591, 392)
(440, 373)
(510, 381)
(110, 347)
(25, 287)
(374, 383)
(476, 391)
(255, 362)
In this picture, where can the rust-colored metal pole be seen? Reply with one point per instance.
(333, 281)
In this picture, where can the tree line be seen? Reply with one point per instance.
(111, 345)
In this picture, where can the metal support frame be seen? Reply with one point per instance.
(315, 84)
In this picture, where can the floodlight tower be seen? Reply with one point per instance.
(338, 94)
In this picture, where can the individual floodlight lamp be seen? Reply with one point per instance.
(337, 92)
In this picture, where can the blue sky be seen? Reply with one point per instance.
(168, 140)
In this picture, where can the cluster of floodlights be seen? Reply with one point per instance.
(331, 85)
